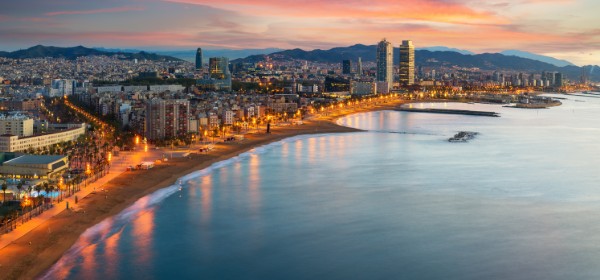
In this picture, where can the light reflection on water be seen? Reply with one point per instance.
(519, 202)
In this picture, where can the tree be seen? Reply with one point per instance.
(47, 188)
(20, 187)
(38, 189)
(4, 187)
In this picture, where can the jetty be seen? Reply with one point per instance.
(449, 111)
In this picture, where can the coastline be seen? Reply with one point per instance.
(33, 254)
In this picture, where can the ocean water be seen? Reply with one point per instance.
(398, 201)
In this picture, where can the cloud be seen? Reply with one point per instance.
(96, 11)
(429, 10)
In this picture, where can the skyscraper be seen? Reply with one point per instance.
(359, 67)
(347, 67)
(220, 77)
(199, 58)
(407, 63)
(219, 67)
(558, 79)
(385, 63)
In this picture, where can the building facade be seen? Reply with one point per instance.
(167, 119)
(407, 63)
(359, 68)
(35, 166)
(18, 125)
(13, 143)
(347, 67)
(385, 62)
(198, 59)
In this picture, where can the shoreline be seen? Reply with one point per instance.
(33, 254)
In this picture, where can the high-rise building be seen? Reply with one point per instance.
(385, 63)
(347, 67)
(359, 69)
(220, 76)
(407, 63)
(167, 119)
(199, 58)
(61, 87)
(558, 79)
(219, 67)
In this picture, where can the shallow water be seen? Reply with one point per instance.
(521, 201)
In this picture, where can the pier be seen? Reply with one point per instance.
(449, 111)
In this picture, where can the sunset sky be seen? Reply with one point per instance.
(566, 29)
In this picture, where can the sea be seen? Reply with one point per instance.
(397, 201)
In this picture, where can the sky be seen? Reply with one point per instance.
(565, 29)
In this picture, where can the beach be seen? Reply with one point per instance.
(38, 250)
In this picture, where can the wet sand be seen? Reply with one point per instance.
(38, 250)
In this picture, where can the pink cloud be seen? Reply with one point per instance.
(429, 10)
(96, 11)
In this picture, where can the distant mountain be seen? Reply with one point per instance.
(542, 58)
(72, 53)
(445, 49)
(190, 55)
(486, 61)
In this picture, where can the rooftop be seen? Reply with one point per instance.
(35, 159)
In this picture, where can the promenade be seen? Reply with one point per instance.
(118, 166)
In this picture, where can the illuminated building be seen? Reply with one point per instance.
(407, 63)
(385, 62)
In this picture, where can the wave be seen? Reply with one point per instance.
(115, 224)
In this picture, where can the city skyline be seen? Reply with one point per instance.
(530, 25)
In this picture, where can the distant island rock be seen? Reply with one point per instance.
(463, 136)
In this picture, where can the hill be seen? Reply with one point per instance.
(72, 53)
(190, 55)
(485, 61)
(542, 58)
(446, 49)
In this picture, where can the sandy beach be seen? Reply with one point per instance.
(34, 253)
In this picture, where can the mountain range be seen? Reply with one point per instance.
(445, 49)
(72, 53)
(190, 55)
(429, 57)
(485, 61)
(542, 58)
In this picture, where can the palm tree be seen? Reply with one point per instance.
(47, 189)
(4, 187)
(20, 187)
(38, 189)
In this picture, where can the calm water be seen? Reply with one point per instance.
(521, 201)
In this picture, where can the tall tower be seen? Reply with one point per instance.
(407, 63)
(359, 67)
(347, 67)
(199, 58)
(385, 62)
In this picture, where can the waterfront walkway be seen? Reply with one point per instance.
(118, 166)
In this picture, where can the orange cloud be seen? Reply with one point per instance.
(427, 10)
